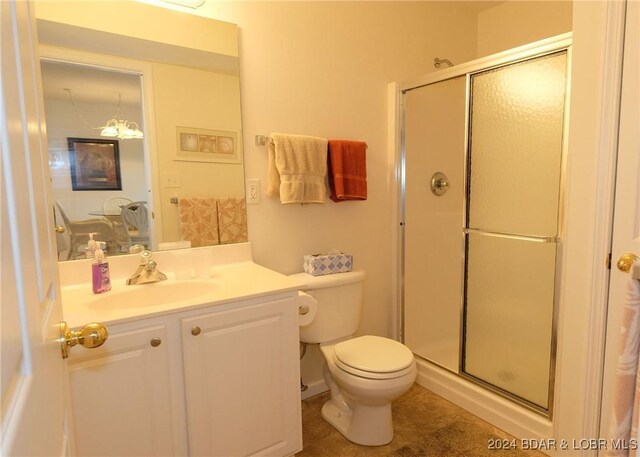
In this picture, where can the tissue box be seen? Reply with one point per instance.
(326, 264)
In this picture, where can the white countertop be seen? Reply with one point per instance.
(229, 282)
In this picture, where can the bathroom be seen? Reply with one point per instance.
(314, 84)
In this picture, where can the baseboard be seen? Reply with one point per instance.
(499, 412)
(315, 388)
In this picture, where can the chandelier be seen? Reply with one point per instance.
(117, 127)
(120, 128)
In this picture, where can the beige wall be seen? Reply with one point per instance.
(215, 105)
(322, 68)
(516, 23)
(164, 28)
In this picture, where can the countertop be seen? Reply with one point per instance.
(227, 283)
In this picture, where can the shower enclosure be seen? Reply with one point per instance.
(482, 184)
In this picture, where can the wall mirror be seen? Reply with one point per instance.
(173, 153)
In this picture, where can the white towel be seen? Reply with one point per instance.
(625, 414)
(297, 168)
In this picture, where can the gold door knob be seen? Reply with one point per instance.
(90, 336)
(625, 262)
(59, 229)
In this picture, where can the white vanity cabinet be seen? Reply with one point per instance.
(213, 380)
(241, 378)
(120, 394)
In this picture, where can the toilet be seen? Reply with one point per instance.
(365, 374)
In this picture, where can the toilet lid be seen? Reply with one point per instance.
(373, 354)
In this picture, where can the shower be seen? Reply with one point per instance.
(482, 184)
(437, 62)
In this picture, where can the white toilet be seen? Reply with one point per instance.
(365, 374)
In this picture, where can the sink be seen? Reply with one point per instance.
(156, 294)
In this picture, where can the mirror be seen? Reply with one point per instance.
(185, 104)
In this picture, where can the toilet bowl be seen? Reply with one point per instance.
(362, 391)
(365, 374)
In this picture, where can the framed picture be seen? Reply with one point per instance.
(201, 145)
(95, 164)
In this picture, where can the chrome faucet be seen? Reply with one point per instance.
(147, 271)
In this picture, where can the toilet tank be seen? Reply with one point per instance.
(339, 299)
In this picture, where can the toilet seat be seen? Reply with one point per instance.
(373, 357)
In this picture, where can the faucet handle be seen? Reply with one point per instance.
(145, 257)
(136, 249)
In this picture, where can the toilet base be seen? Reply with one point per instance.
(364, 424)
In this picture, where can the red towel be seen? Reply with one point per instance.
(347, 167)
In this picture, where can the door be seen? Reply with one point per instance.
(132, 372)
(626, 224)
(514, 174)
(435, 124)
(241, 373)
(32, 374)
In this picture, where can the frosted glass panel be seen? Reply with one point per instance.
(435, 141)
(509, 313)
(515, 146)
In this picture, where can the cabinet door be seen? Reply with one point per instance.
(120, 396)
(242, 378)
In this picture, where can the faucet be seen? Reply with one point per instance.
(147, 272)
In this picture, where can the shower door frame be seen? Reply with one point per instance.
(530, 51)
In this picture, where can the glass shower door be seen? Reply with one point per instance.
(514, 169)
(435, 128)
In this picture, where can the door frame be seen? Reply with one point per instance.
(119, 64)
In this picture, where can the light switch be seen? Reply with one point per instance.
(170, 179)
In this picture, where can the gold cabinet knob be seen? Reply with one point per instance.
(195, 331)
(59, 229)
(90, 336)
(155, 342)
(625, 262)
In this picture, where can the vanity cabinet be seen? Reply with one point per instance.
(241, 396)
(120, 395)
(218, 380)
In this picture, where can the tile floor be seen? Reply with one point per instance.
(426, 425)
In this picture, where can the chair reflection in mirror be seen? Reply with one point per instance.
(113, 206)
(112, 210)
(78, 234)
(135, 217)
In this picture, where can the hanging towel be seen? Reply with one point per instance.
(347, 164)
(232, 220)
(297, 168)
(199, 221)
(623, 426)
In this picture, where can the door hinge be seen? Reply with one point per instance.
(608, 261)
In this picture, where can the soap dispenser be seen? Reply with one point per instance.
(100, 273)
(92, 246)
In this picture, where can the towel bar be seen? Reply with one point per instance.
(261, 140)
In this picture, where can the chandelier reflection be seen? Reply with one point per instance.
(117, 127)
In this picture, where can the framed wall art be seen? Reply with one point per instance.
(202, 145)
(95, 164)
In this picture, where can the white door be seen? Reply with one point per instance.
(626, 226)
(33, 406)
